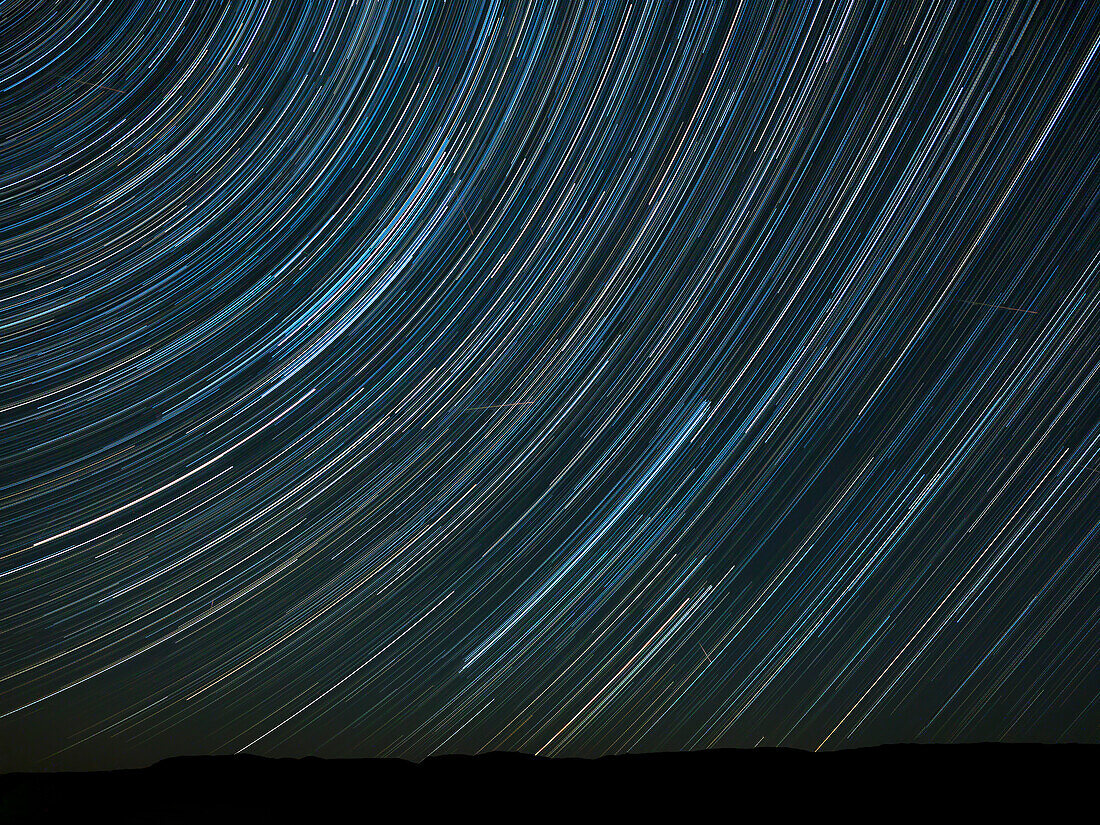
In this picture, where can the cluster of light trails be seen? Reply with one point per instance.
(394, 378)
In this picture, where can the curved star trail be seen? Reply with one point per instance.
(385, 379)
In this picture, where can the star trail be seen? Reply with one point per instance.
(398, 378)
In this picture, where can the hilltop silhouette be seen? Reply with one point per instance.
(247, 788)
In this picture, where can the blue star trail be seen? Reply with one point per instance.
(385, 379)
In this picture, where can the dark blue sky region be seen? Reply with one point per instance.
(383, 379)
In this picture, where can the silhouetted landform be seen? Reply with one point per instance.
(256, 789)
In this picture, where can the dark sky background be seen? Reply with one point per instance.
(381, 379)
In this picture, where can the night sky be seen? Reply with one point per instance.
(386, 379)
